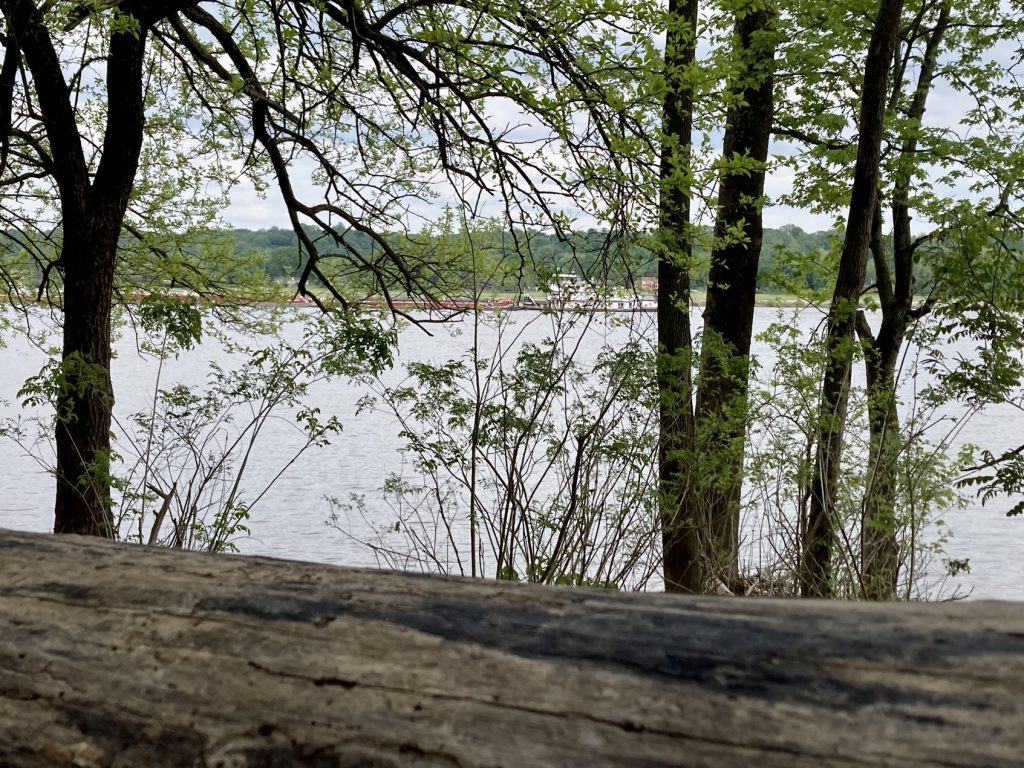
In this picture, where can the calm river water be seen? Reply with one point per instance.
(290, 520)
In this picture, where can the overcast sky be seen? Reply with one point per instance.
(946, 108)
(249, 211)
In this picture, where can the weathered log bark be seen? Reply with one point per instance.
(116, 655)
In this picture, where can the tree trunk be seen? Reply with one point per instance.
(879, 556)
(675, 347)
(93, 209)
(93, 221)
(731, 295)
(86, 398)
(816, 575)
(880, 524)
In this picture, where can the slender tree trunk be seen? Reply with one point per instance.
(731, 295)
(816, 568)
(879, 557)
(879, 522)
(675, 346)
(879, 525)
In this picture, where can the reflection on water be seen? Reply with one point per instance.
(290, 520)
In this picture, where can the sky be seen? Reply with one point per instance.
(248, 210)
(946, 108)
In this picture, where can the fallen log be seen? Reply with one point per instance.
(117, 655)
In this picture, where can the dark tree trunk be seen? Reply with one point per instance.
(88, 257)
(816, 567)
(880, 524)
(679, 535)
(731, 294)
(86, 400)
(879, 557)
(93, 211)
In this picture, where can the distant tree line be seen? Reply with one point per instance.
(792, 258)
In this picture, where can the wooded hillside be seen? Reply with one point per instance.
(790, 254)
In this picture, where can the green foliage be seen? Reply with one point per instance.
(526, 462)
(61, 382)
(186, 457)
(180, 322)
(780, 467)
(996, 475)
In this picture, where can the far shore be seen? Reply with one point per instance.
(489, 301)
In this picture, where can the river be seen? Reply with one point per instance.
(289, 521)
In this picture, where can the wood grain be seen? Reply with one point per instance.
(117, 655)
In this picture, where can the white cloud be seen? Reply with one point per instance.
(248, 210)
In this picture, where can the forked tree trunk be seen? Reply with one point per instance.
(880, 523)
(93, 207)
(816, 576)
(94, 217)
(732, 294)
(879, 555)
(879, 550)
(675, 448)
